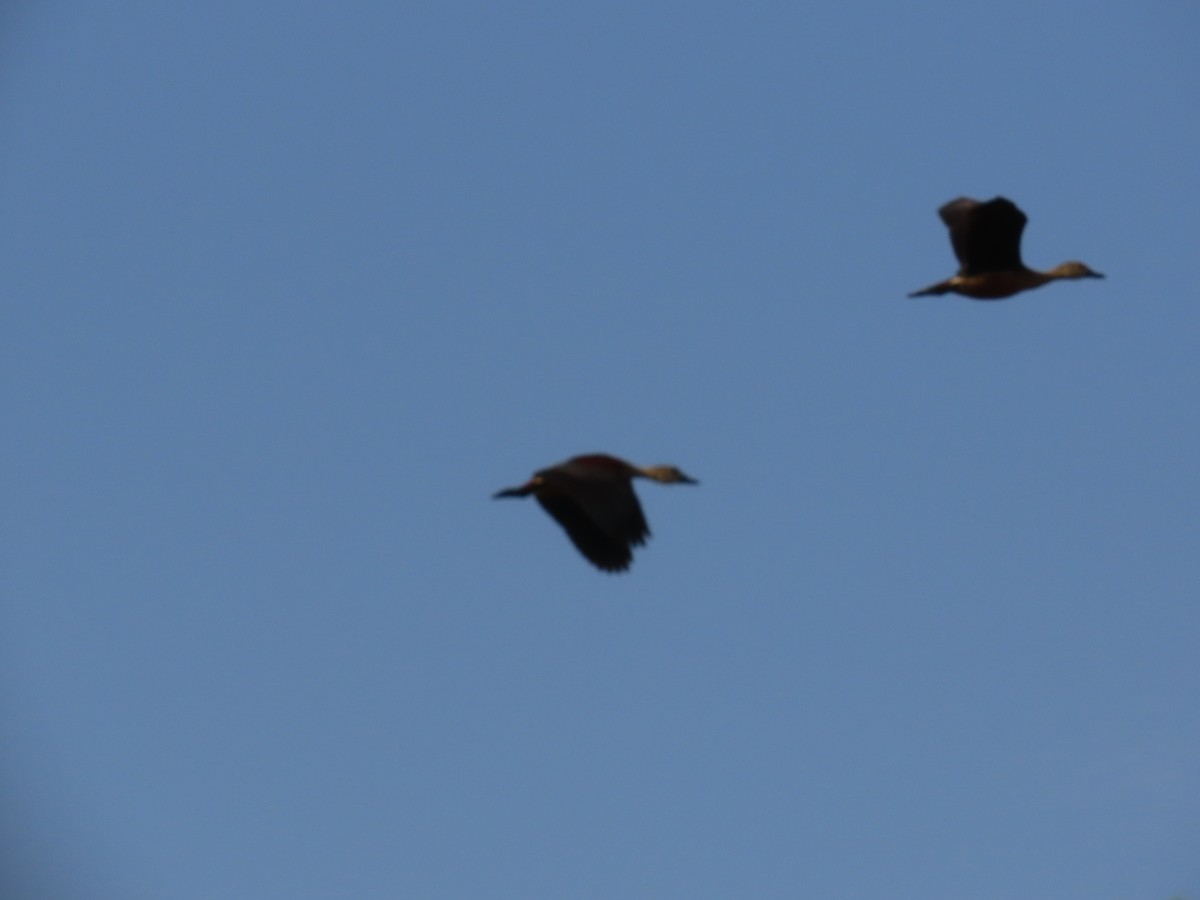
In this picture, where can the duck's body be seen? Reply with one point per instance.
(592, 498)
(987, 242)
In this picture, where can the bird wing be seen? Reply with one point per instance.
(986, 236)
(603, 519)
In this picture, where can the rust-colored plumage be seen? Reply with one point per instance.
(987, 241)
(592, 498)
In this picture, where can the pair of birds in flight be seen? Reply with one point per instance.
(592, 496)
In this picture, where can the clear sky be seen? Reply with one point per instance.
(289, 289)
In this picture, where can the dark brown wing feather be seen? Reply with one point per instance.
(600, 513)
(612, 553)
(986, 236)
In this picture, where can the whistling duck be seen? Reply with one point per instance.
(987, 241)
(592, 498)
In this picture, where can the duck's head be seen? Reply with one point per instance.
(1074, 269)
(666, 475)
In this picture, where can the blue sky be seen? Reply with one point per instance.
(291, 289)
